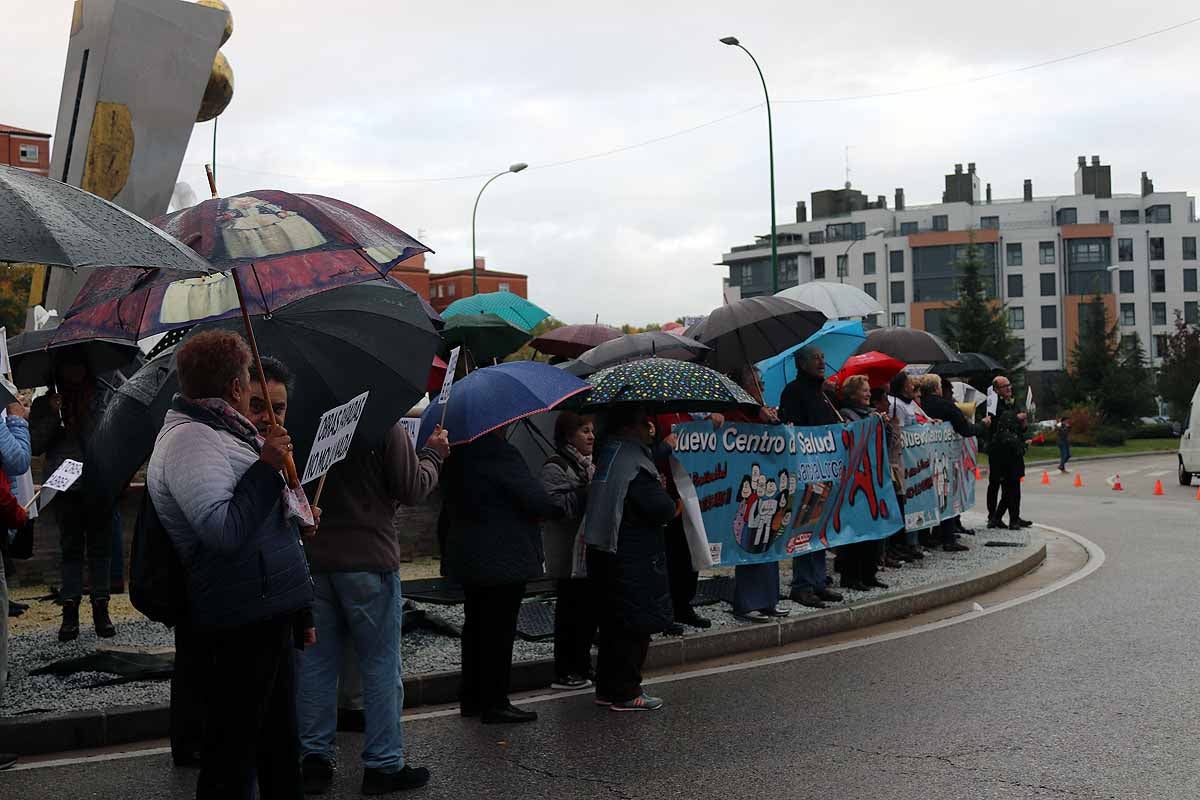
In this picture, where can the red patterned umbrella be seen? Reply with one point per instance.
(572, 341)
(878, 368)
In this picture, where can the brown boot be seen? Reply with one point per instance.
(69, 629)
(104, 625)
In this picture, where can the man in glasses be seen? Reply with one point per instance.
(1006, 457)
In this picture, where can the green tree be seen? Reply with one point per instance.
(974, 323)
(1105, 373)
(15, 282)
(1180, 371)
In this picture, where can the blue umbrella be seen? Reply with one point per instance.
(492, 397)
(506, 305)
(838, 339)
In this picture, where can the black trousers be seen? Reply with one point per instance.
(993, 494)
(575, 623)
(860, 561)
(250, 720)
(489, 627)
(187, 694)
(619, 661)
(1010, 498)
(681, 578)
(83, 533)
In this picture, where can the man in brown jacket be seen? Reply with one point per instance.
(355, 561)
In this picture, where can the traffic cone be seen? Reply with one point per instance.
(1158, 490)
(978, 474)
(1198, 494)
(1045, 478)
(1079, 481)
(1117, 487)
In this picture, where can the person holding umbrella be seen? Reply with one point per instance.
(1006, 456)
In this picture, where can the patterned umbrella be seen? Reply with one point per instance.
(572, 341)
(665, 385)
(509, 306)
(487, 336)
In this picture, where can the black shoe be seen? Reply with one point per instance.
(1022, 523)
(829, 595)
(912, 553)
(955, 547)
(695, 620)
(317, 774)
(468, 710)
(69, 630)
(509, 715)
(874, 583)
(7, 760)
(102, 622)
(995, 523)
(674, 629)
(185, 758)
(965, 531)
(378, 782)
(809, 599)
(854, 586)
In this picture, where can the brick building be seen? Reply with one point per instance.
(446, 287)
(26, 149)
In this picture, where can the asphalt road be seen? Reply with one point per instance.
(1087, 692)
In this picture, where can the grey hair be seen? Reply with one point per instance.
(805, 353)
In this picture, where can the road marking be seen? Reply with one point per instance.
(1096, 559)
(1160, 472)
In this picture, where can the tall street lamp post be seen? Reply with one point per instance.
(520, 165)
(732, 41)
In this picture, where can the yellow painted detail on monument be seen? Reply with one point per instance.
(220, 6)
(219, 91)
(77, 17)
(110, 150)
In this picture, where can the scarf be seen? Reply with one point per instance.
(583, 464)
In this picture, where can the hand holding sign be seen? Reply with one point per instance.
(334, 434)
(62, 479)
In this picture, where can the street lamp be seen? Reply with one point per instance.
(841, 271)
(733, 42)
(520, 165)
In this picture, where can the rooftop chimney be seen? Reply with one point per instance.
(899, 198)
(971, 168)
(1028, 190)
(958, 169)
(881, 201)
(1147, 185)
(801, 211)
(480, 263)
(1095, 161)
(1083, 161)
(989, 194)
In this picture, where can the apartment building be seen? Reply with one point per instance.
(1046, 257)
(26, 149)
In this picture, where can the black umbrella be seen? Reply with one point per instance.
(755, 328)
(909, 345)
(371, 336)
(32, 356)
(636, 346)
(969, 365)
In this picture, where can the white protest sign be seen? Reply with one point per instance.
(334, 435)
(5, 364)
(993, 401)
(413, 426)
(448, 381)
(62, 479)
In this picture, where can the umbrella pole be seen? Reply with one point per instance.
(289, 465)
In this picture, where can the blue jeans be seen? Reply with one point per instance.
(1064, 454)
(808, 572)
(366, 608)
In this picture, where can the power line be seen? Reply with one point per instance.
(727, 117)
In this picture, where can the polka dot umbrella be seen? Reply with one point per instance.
(665, 385)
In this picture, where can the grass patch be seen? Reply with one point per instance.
(1131, 447)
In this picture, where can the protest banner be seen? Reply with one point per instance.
(939, 474)
(448, 381)
(768, 492)
(413, 426)
(334, 434)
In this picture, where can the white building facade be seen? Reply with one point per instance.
(1046, 257)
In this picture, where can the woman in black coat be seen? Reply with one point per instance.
(492, 545)
(629, 570)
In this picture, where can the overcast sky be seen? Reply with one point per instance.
(344, 98)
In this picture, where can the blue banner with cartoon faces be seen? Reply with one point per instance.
(939, 474)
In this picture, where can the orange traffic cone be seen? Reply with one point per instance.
(1045, 478)
(1117, 487)
(978, 474)
(1198, 494)
(1079, 481)
(1158, 490)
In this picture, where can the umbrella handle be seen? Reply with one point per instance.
(289, 465)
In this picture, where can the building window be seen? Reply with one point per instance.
(1191, 312)
(991, 223)
(1049, 348)
(1128, 314)
(1125, 249)
(1158, 215)
(937, 271)
(1158, 280)
(1016, 319)
(941, 222)
(1158, 345)
(845, 231)
(897, 291)
(819, 268)
(504, 287)
(896, 261)
(907, 228)
(869, 288)
(1189, 280)
(1046, 281)
(843, 266)
(1157, 251)
(1045, 252)
(1103, 215)
(452, 288)
(1189, 248)
(1067, 216)
(1130, 216)
(1158, 313)
(868, 263)
(1015, 255)
(1127, 281)
(1087, 266)
(899, 320)
(28, 153)
(1049, 316)
(816, 237)
(789, 269)
(1016, 286)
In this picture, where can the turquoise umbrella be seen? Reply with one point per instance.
(506, 305)
(838, 340)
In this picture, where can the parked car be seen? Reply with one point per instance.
(1189, 444)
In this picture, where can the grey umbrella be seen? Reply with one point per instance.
(634, 347)
(909, 345)
(754, 328)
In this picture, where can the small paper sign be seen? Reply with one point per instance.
(413, 426)
(334, 434)
(993, 401)
(448, 381)
(64, 476)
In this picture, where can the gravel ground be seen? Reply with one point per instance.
(424, 651)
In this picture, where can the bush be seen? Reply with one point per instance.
(1161, 431)
(1109, 436)
(1084, 419)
